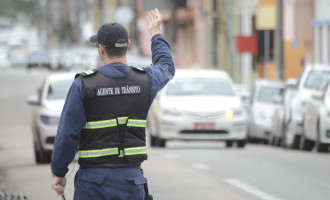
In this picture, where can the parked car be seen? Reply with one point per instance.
(18, 58)
(309, 81)
(4, 57)
(278, 117)
(198, 105)
(49, 103)
(264, 102)
(316, 126)
(39, 59)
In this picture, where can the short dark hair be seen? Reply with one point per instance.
(115, 51)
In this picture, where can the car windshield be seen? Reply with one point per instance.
(316, 79)
(269, 94)
(58, 89)
(200, 86)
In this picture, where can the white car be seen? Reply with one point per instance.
(263, 106)
(309, 81)
(317, 122)
(46, 115)
(278, 117)
(198, 105)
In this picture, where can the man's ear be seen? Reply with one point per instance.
(102, 50)
(128, 44)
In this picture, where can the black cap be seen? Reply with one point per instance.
(111, 35)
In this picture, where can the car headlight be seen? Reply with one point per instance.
(49, 120)
(233, 112)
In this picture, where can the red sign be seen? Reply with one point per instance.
(247, 44)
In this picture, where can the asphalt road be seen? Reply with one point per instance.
(183, 170)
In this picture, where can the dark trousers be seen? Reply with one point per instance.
(109, 184)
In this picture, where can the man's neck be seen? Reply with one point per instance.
(111, 60)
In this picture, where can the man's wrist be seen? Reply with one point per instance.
(155, 32)
(53, 175)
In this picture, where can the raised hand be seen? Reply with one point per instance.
(154, 20)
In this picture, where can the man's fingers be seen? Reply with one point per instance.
(148, 18)
(58, 189)
(153, 15)
(157, 13)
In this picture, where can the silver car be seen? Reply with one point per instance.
(46, 113)
(317, 122)
(310, 80)
(263, 106)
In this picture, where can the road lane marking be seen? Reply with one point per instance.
(251, 189)
(201, 166)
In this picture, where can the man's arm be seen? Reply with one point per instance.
(73, 118)
(163, 68)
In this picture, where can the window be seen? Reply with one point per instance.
(269, 94)
(317, 79)
(58, 89)
(200, 86)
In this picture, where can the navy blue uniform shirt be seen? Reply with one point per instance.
(73, 117)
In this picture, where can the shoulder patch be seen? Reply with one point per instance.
(139, 69)
(86, 73)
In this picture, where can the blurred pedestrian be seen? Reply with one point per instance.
(105, 115)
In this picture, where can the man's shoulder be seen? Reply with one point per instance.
(86, 73)
(139, 69)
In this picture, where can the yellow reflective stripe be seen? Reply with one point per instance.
(100, 124)
(122, 120)
(121, 154)
(135, 151)
(137, 122)
(97, 153)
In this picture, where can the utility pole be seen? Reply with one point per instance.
(173, 25)
(215, 35)
(279, 51)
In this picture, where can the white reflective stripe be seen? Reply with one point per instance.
(100, 124)
(97, 153)
(135, 151)
(137, 122)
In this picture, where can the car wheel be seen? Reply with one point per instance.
(229, 143)
(241, 143)
(306, 144)
(153, 140)
(156, 141)
(160, 142)
(293, 142)
(320, 147)
(42, 156)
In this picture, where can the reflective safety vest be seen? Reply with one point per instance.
(116, 111)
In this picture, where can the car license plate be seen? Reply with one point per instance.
(204, 127)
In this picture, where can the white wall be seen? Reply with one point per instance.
(322, 8)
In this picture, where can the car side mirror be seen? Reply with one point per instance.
(278, 100)
(317, 95)
(291, 83)
(33, 100)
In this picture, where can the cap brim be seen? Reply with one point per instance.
(93, 38)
